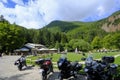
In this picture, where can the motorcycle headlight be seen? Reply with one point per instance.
(79, 66)
(41, 70)
(114, 66)
(86, 70)
(59, 64)
(16, 63)
(88, 63)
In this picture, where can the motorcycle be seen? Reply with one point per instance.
(21, 62)
(68, 69)
(103, 69)
(46, 67)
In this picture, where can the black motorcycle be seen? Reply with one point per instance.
(46, 67)
(21, 62)
(103, 69)
(68, 69)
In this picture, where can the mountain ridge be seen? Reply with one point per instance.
(109, 24)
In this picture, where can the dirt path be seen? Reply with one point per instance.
(8, 71)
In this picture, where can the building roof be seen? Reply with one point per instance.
(43, 49)
(22, 49)
(31, 45)
(53, 49)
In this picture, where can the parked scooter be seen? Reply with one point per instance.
(68, 69)
(103, 69)
(21, 62)
(46, 67)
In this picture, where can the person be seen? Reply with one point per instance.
(0, 54)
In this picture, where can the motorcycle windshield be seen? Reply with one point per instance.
(89, 61)
(41, 70)
(60, 62)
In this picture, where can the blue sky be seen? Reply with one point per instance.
(38, 13)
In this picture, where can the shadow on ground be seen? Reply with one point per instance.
(28, 68)
(55, 75)
(15, 77)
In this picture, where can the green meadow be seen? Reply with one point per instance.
(73, 56)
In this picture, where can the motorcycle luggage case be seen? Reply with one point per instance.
(108, 59)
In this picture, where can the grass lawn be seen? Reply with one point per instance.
(100, 55)
(72, 56)
(117, 60)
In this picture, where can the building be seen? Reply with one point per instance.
(34, 49)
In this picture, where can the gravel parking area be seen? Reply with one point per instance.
(8, 71)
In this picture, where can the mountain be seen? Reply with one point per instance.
(110, 24)
(61, 26)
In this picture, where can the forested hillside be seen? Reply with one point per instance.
(94, 33)
(64, 35)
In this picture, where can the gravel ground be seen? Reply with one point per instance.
(8, 71)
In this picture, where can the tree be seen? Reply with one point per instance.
(58, 37)
(1, 18)
(108, 41)
(80, 44)
(11, 37)
(83, 45)
(40, 37)
(34, 34)
(116, 40)
(46, 37)
(63, 38)
(52, 40)
(96, 43)
(58, 46)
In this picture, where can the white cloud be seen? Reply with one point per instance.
(100, 10)
(75, 10)
(19, 2)
(25, 16)
(38, 13)
(5, 1)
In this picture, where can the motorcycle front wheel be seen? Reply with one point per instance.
(20, 67)
(44, 76)
(60, 77)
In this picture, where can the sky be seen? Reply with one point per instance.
(38, 13)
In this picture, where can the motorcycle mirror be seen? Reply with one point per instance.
(118, 65)
(83, 59)
(83, 54)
